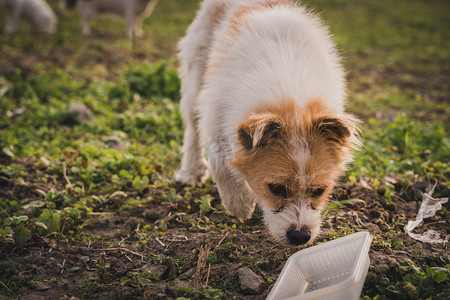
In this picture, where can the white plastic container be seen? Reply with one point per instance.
(332, 270)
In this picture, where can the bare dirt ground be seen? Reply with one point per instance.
(167, 248)
(101, 261)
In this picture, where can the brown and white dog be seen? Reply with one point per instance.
(37, 12)
(132, 10)
(263, 91)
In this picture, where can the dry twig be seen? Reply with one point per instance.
(122, 249)
(221, 240)
(69, 184)
(201, 265)
(160, 242)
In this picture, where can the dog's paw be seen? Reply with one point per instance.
(244, 212)
(139, 33)
(194, 177)
(86, 30)
(241, 204)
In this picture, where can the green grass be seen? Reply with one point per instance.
(396, 54)
(404, 148)
(57, 168)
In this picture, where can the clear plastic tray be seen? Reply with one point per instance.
(332, 270)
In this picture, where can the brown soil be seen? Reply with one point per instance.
(101, 261)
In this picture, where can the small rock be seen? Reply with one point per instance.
(187, 275)
(156, 213)
(115, 144)
(16, 112)
(81, 110)
(158, 270)
(217, 218)
(157, 292)
(174, 287)
(41, 286)
(249, 282)
(120, 271)
(74, 269)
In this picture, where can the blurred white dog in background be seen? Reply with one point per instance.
(36, 12)
(132, 10)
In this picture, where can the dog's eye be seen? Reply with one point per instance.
(280, 208)
(278, 190)
(317, 192)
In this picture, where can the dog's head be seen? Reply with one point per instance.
(291, 158)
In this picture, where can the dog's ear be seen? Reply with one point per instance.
(259, 130)
(335, 129)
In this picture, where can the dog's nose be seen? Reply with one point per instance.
(297, 237)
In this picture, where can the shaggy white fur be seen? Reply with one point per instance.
(237, 57)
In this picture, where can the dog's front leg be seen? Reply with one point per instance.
(193, 164)
(193, 170)
(14, 18)
(138, 31)
(236, 195)
(130, 23)
(88, 12)
(132, 19)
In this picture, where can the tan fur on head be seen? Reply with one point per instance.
(301, 149)
(259, 130)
